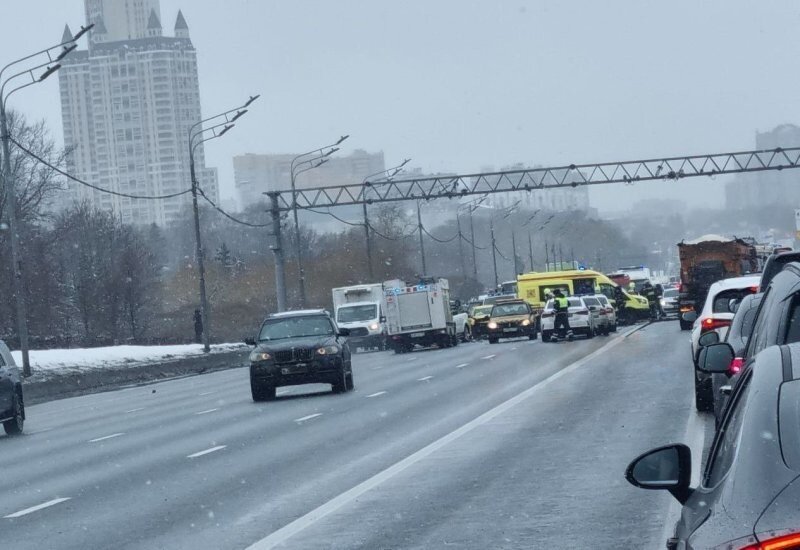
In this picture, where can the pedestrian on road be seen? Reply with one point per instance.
(198, 326)
(620, 299)
(561, 308)
(649, 292)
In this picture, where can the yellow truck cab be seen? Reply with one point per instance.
(533, 286)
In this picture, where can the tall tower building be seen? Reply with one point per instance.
(127, 104)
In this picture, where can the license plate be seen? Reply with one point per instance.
(509, 330)
(296, 369)
(417, 334)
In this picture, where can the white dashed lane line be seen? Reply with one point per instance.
(134, 410)
(376, 394)
(424, 379)
(206, 393)
(489, 357)
(112, 436)
(462, 365)
(207, 451)
(206, 412)
(36, 508)
(309, 417)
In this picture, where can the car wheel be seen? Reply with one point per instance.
(589, 333)
(16, 424)
(703, 396)
(340, 386)
(613, 327)
(532, 335)
(493, 340)
(685, 325)
(547, 335)
(262, 392)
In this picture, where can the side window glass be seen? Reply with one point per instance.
(723, 450)
(2, 360)
(758, 338)
(793, 322)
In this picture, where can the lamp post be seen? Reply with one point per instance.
(388, 175)
(224, 122)
(9, 185)
(315, 154)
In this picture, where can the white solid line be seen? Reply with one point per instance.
(309, 417)
(413, 358)
(134, 410)
(462, 365)
(206, 393)
(206, 412)
(36, 508)
(376, 394)
(424, 379)
(211, 450)
(287, 531)
(489, 357)
(106, 437)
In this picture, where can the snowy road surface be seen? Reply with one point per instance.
(435, 449)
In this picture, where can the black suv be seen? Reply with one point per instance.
(299, 347)
(12, 407)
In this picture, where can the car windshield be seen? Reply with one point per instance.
(722, 300)
(350, 314)
(591, 301)
(295, 327)
(502, 310)
(671, 293)
(480, 311)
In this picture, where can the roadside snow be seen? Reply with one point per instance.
(114, 356)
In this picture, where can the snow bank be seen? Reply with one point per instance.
(114, 356)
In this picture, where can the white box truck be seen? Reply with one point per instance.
(418, 314)
(359, 308)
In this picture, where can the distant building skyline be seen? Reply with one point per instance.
(127, 104)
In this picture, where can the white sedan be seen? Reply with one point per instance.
(580, 319)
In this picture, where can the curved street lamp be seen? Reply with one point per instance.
(51, 66)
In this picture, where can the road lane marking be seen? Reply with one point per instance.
(207, 451)
(286, 532)
(309, 417)
(462, 365)
(424, 379)
(206, 393)
(281, 392)
(413, 358)
(376, 394)
(489, 357)
(36, 508)
(112, 436)
(206, 412)
(134, 410)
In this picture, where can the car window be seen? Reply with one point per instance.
(670, 293)
(350, 314)
(509, 309)
(2, 360)
(722, 300)
(758, 336)
(607, 290)
(278, 329)
(793, 322)
(575, 302)
(723, 449)
(591, 301)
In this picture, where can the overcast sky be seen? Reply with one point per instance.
(461, 85)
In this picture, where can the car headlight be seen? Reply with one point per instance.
(328, 350)
(260, 356)
(663, 302)
(374, 326)
(526, 322)
(492, 324)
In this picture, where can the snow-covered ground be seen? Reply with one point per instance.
(114, 356)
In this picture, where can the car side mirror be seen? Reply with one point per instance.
(689, 316)
(709, 338)
(665, 468)
(344, 332)
(382, 319)
(250, 341)
(733, 304)
(716, 358)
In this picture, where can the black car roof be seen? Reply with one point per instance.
(775, 263)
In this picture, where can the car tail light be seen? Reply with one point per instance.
(609, 310)
(785, 542)
(709, 323)
(736, 365)
(582, 312)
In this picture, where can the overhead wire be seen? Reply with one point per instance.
(229, 216)
(92, 186)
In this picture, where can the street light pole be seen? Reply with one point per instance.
(421, 241)
(472, 236)
(460, 246)
(217, 130)
(277, 250)
(9, 185)
(494, 251)
(318, 154)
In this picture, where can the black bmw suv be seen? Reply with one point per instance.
(299, 347)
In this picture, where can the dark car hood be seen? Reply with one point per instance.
(289, 343)
(782, 516)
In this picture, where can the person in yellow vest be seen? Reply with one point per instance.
(561, 308)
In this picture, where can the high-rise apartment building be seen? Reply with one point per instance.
(127, 104)
(255, 174)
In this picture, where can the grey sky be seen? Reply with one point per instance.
(459, 85)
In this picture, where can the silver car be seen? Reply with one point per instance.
(669, 301)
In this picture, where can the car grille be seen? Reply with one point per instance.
(360, 331)
(292, 355)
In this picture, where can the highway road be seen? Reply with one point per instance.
(517, 445)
